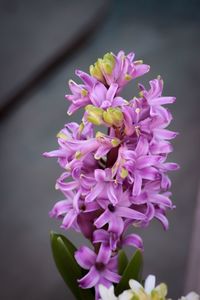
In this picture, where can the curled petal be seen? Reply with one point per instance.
(161, 200)
(116, 225)
(102, 151)
(90, 279)
(112, 91)
(60, 208)
(137, 184)
(171, 166)
(98, 94)
(95, 192)
(162, 218)
(142, 146)
(104, 218)
(55, 153)
(113, 263)
(99, 175)
(150, 212)
(130, 213)
(100, 236)
(69, 219)
(146, 161)
(140, 70)
(66, 186)
(133, 240)
(149, 173)
(85, 257)
(112, 193)
(111, 276)
(165, 134)
(162, 100)
(87, 79)
(104, 254)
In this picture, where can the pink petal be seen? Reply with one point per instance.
(130, 213)
(171, 166)
(95, 192)
(60, 208)
(161, 200)
(85, 257)
(100, 236)
(146, 161)
(133, 240)
(162, 100)
(55, 153)
(89, 280)
(102, 151)
(142, 146)
(103, 219)
(137, 184)
(113, 263)
(116, 225)
(69, 219)
(111, 276)
(111, 91)
(112, 193)
(99, 175)
(104, 254)
(87, 79)
(165, 134)
(140, 70)
(98, 94)
(161, 217)
(66, 186)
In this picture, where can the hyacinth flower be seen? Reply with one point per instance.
(113, 179)
(102, 267)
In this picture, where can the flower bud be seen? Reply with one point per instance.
(113, 117)
(95, 114)
(103, 66)
(95, 70)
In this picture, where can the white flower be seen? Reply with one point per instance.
(190, 296)
(149, 284)
(135, 289)
(149, 292)
(107, 293)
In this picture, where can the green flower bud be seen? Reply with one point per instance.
(108, 63)
(95, 70)
(95, 114)
(102, 66)
(113, 117)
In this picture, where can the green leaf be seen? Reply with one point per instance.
(67, 242)
(132, 271)
(122, 262)
(63, 253)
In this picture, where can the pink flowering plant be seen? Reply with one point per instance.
(113, 179)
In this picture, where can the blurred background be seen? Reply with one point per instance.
(42, 43)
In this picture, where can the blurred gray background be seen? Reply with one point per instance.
(42, 43)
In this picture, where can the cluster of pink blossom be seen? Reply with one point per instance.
(115, 179)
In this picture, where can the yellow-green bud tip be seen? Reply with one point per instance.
(123, 173)
(128, 77)
(113, 117)
(78, 154)
(95, 114)
(84, 92)
(115, 142)
(61, 135)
